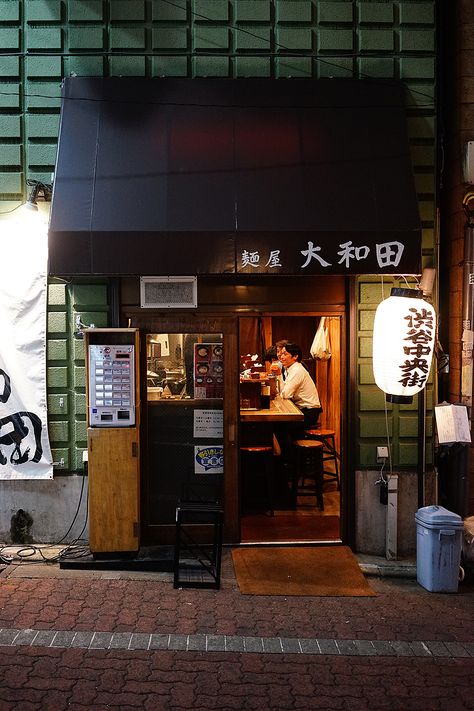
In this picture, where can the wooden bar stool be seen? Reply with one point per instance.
(327, 437)
(309, 465)
(264, 454)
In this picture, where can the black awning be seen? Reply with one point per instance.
(214, 176)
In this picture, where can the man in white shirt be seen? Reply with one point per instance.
(299, 386)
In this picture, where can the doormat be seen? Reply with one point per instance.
(306, 571)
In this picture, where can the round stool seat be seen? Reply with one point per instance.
(320, 433)
(256, 449)
(308, 443)
(327, 438)
(262, 453)
(310, 456)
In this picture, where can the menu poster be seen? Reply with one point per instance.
(452, 424)
(208, 370)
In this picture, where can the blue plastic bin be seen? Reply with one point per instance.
(438, 548)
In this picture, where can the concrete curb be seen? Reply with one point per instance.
(389, 570)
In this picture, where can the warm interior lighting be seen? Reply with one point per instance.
(403, 345)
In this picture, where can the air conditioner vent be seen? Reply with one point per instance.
(168, 292)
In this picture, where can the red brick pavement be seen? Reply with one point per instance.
(47, 678)
(54, 679)
(402, 610)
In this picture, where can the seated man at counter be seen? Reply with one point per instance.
(298, 385)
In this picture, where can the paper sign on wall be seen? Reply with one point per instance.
(452, 424)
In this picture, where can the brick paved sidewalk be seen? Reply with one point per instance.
(102, 639)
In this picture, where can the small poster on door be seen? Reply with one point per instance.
(209, 458)
(208, 370)
(208, 423)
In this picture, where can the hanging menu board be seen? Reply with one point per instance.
(452, 424)
(208, 370)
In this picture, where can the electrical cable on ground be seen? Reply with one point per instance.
(71, 550)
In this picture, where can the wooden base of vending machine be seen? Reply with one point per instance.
(113, 450)
(114, 490)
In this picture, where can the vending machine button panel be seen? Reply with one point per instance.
(111, 385)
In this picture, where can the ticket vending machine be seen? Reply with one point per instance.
(113, 439)
(111, 385)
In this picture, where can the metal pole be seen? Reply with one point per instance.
(421, 447)
(467, 309)
(467, 348)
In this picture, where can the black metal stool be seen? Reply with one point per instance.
(197, 563)
(265, 453)
(309, 465)
(327, 437)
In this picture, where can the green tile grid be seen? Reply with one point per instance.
(210, 10)
(198, 38)
(79, 11)
(236, 38)
(9, 10)
(294, 11)
(43, 11)
(66, 364)
(254, 10)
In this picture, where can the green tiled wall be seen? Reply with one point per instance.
(66, 365)
(235, 38)
(45, 40)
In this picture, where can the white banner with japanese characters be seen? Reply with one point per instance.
(24, 445)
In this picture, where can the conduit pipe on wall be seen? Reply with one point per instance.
(426, 287)
(462, 474)
(468, 305)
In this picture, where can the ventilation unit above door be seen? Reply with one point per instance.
(168, 292)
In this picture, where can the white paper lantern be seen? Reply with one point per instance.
(404, 339)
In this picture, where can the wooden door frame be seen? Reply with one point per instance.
(197, 322)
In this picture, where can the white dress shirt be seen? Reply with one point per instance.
(299, 387)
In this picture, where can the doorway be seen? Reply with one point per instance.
(305, 522)
(161, 333)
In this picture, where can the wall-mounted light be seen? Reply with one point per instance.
(31, 203)
(38, 189)
(403, 345)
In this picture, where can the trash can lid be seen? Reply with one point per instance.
(438, 516)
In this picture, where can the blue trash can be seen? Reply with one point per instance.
(438, 548)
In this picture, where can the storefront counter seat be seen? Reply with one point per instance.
(327, 437)
(309, 466)
(255, 459)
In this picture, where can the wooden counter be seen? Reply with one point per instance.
(280, 411)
